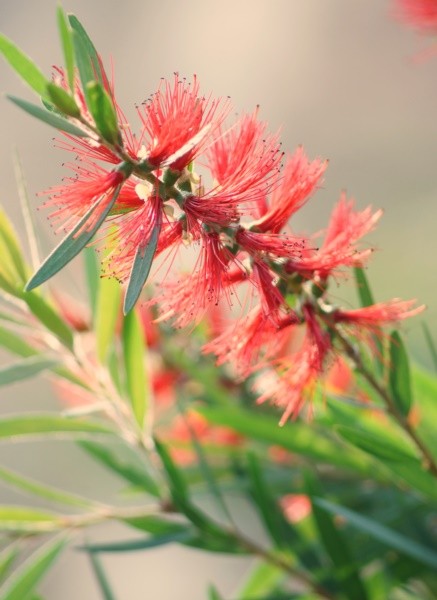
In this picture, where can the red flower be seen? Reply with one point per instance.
(178, 123)
(372, 317)
(297, 183)
(420, 14)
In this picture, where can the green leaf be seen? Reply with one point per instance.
(72, 244)
(134, 352)
(15, 343)
(135, 474)
(101, 577)
(383, 448)
(155, 525)
(37, 424)
(107, 313)
(43, 491)
(280, 530)
(44, 312)
(62, 100)
(335, 544)
(7, 559)
(178, 536)
(27, 577)
(140, 270)
(431, 345)
(92, 273)
(24, 370)
(385, 535)
(213, 593)
(48, 117)
(83, 62)
(22, 65)
(12, 256)
(24, 519)
(262, 580)
(103, 112)
(88, 50)
(363, 288)
(178, 485)
(297, 437)
(399, 375)
(67, 45)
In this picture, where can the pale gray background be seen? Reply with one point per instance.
(339, 77)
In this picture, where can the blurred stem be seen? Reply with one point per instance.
(429, 462)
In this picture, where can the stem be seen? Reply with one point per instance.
(428, 460)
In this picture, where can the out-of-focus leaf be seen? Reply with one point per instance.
(24, 519)
(431, 344)
(103, 112)
(23, 66)
(385, 535)
(140, 270)
(67, 45)
(297, 437)
(156, 526)
(62, 100)
(11, 253)
(101, 577)
(383, 448)
(346, 570)
(27, 577)
(50, 118)
(281, 532)
(129, 471)
(7, 559)
(179, 536)
(134, 357)
(425, 392)
(399, 374)
(89, 50)
(43, 491)
(46, 424)
(178, 485)
(262, 580)
(45, 313)
(366, 299)
(213, 593)
(107, 312)
(15, 343)
(92, 277)
(73, 243)
(24, 370)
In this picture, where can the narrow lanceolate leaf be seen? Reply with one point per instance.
(363, 288)
(392, 539)
(106, 315)
(103, 112)
(48, 117)
(133, 472)
(83, 63)
(27, 577)
(92, 272)
(72, 244)
(102, 580)
(399, 375)
(63, 100)
(42, 491)
(47, 315)
(67, 45)
(345, 568)
(46, 424)
(12, 257)
(140, 270)
(431, 345)
(262, 579)
(213, 593)
(25, 369)
(89, 50)
(23, 66)
(7, 559)
(178, 536)
(134, 351)
(24, 519)
(15, 343)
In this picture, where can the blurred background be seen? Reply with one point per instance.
(341, 78)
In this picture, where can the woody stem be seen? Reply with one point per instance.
(429, 462)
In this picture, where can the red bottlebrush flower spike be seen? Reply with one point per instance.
(376, 315)
(276, 244)
(420, 14)
(188, 298)
(245, 155)
(345, 229)
(178, 123)
(297, 183)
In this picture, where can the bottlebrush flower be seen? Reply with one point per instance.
(420, 14)
(178, 123)
(376, 315)
(339, 249)
(296, 184)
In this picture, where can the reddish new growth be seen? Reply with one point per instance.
(281, 329)
(420, 14)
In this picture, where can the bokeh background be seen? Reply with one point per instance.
(342, 78)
